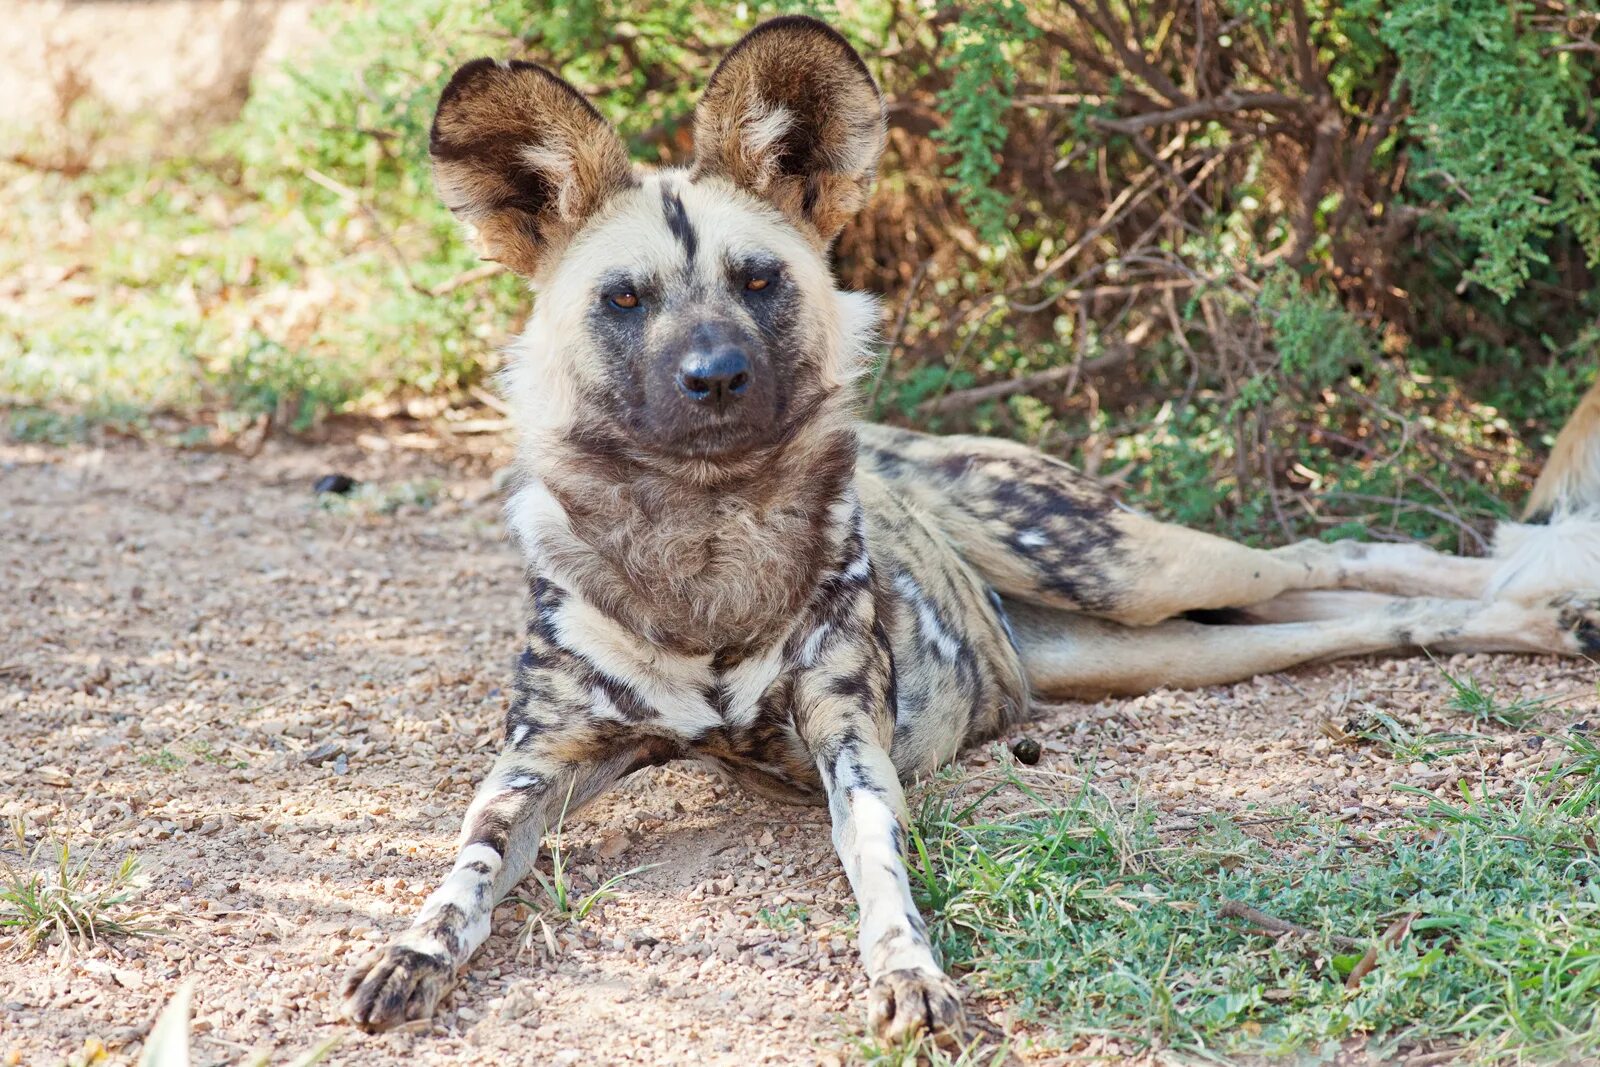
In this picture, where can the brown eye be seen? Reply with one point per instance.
(625, 301)
(755, 285)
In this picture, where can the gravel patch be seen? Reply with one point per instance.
(282, 707)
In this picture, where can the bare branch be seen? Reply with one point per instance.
(1227, 104)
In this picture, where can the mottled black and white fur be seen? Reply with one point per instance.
(726, 565)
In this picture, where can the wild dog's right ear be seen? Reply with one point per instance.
(524, 158)
(792, 115)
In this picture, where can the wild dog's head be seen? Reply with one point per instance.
(683, 314)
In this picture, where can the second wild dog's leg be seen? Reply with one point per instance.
(1069, 654)
(524, 795)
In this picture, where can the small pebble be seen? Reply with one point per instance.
(337, 484)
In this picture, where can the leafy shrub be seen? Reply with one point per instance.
(1282, 269)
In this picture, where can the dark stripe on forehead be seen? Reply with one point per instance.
(678, 221)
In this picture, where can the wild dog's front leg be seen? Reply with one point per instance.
(500, 836)
(910, 993)
(846, 720)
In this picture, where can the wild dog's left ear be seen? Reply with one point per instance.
(792, 115)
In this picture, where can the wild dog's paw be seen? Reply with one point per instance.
(902, 1004)
(397, 984)
(1578, 615)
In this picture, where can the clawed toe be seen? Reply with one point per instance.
(396, 985)
(903, 1004)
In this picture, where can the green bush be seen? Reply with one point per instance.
(1324, 266)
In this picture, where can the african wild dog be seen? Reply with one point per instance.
(725, 565)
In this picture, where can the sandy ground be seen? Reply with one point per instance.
(283, 709)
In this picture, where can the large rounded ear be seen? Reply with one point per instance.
(792, 115)
(523, 158)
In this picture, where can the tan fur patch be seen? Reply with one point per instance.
(1570, 482)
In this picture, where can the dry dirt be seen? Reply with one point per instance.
(177, 60)
(282, 710)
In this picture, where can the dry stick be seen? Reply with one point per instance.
(1150, 231)
(1269, 460)
(1401, 504)
(899, 333)
(1185, 191)
(1228, 103)
(1130, 197)
(971, 397)
(1113, 30)
(350, 196)
(1304, 54)
(1405, 441)
(1430, 1059)
(466, 277)
(1316, 177)
(1361, 159)
(1369, 959)
(967, 398)
(1233, 909)
(1125, 202)
(1186, 827)
(489, 400)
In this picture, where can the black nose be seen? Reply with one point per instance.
(716, 377)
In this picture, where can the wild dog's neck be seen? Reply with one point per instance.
(691, 562)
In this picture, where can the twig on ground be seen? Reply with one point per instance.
(488, 399)
(1369, 959)
(1233, 909)
(354, 199)
(1401, 504)
(1185, 827)
(1215, 107)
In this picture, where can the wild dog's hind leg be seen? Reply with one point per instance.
(1042, 532)
(523, 795)
(1069, 654)
(1171, 569)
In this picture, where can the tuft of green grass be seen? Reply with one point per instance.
(168, 761)
(164, 760)
(1579, 776)
(204, 752)
(1400, 742)
(561, 901)
(1080, 913)
(1469, 698)
(928, 1052)
(37, 425)
(783, 918)
(58, 898)
(387, 499)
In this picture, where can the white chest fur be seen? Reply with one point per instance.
(688, 693)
